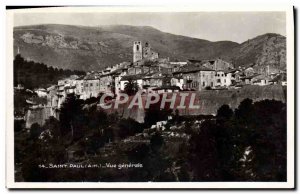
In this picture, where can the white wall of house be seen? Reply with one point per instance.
(228, 79)
(79, 87)
(122, 84)
(140, 83)
(261, 82)
(91, 88)
(177, 82)
(220, 78)
(207, 79)
(41, 92)
(105, 83)
(117, 84)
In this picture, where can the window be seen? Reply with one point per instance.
(91, 84)
(203, 83)
(219, 80)
(212, 84)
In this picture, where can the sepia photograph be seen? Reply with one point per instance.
(141, 97)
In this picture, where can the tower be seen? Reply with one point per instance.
(146, 50)
(137, 51)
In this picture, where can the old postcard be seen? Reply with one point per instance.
(150, 97)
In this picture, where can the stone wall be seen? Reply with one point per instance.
(210, 101)
(39, 115)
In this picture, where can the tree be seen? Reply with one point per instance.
(35, 130)
(244, 113)
(154, 114)
(72, 119)
(156, 142)
(34, 75)
(268, 144)
(139, 154)
(249, 145)
(158, 164)
(203, 156)
(129, 127)
(53, 125)
(224, 113)
(131, 87)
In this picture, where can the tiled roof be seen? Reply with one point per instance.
(192, 68)
(250, 76)
(72, 77)
(167, 88)
(132, 77)
(230, 70)
(92, 77)
(279, 77)
(118, 71)
(81, 77)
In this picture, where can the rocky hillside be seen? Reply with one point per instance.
(92, 48)
(267, 49)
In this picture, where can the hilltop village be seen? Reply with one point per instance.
(151, 73)
(154, 74)
(234, 131)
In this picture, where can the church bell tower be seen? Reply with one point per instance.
(137, 51)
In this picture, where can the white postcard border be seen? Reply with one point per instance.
(10, 183)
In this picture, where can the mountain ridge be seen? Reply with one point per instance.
(93, 48)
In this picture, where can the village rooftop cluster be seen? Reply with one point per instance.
(154, 74)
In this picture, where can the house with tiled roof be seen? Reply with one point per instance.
(250, 79)
(196, 77)
(65, 87)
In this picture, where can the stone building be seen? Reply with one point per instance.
(106, 83)
(218, 64)
(140, 52)
(52, 98)
(91, 87)
(148, 53)
(137, 51)
(65, 87)
(79, 85)
(223, 78)
(196, 77)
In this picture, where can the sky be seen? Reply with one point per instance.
(213, 26)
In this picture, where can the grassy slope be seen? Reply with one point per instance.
(108, 45)
(112, 44)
